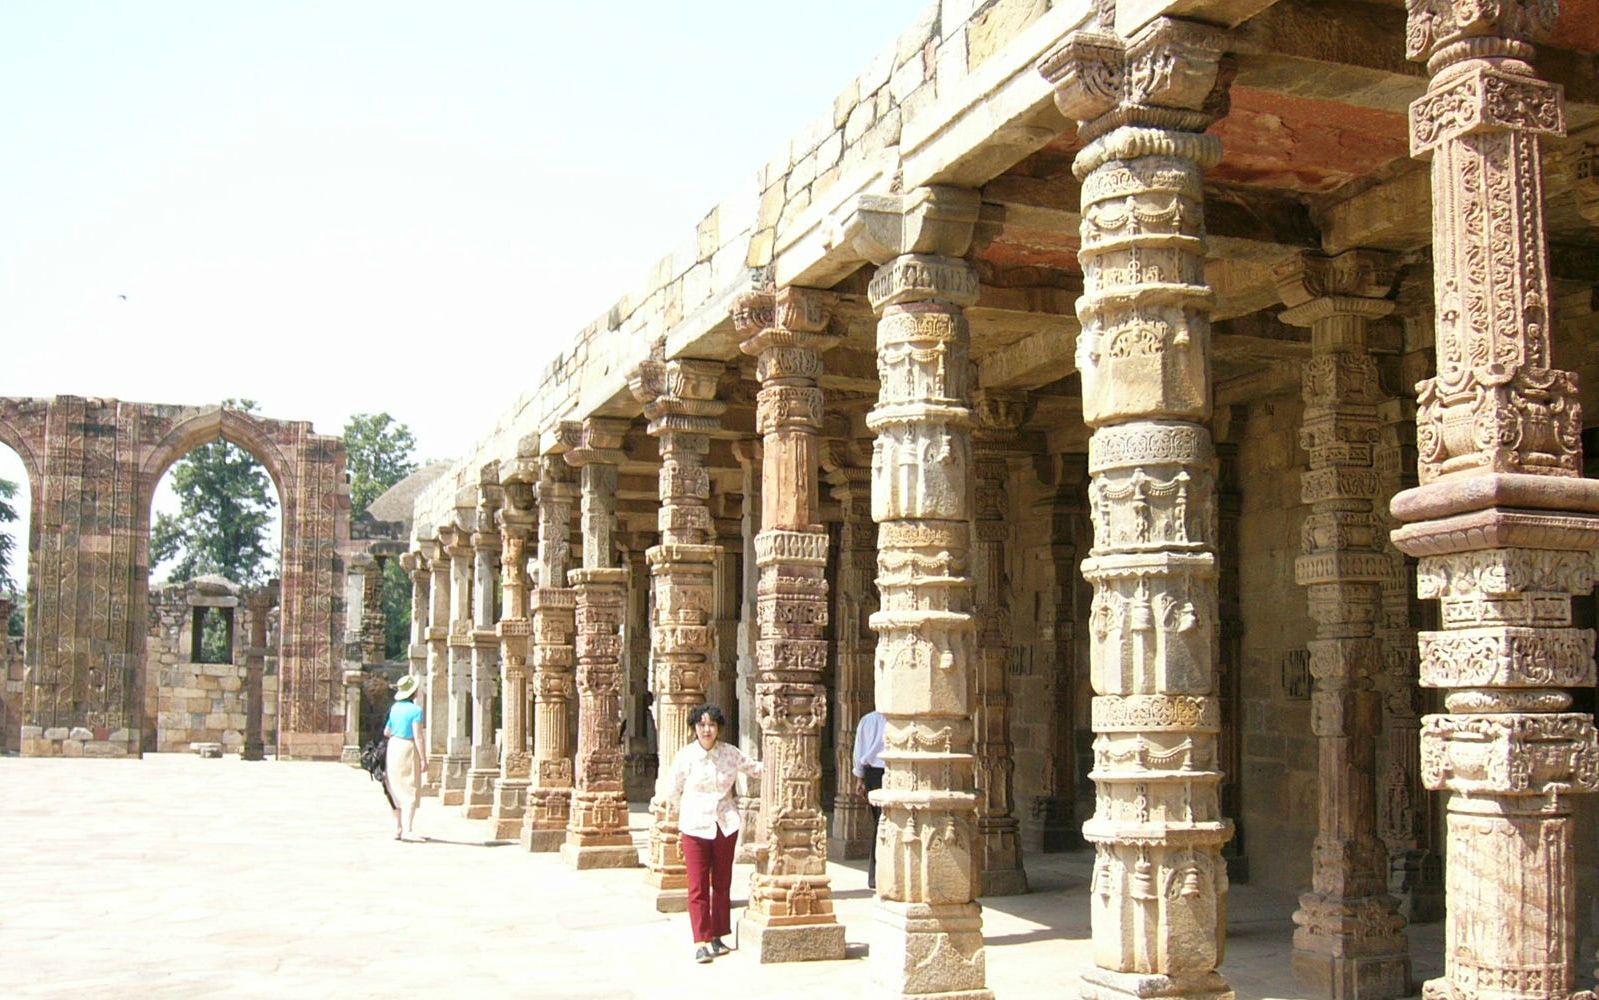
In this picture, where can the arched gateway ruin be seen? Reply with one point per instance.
(93, 466)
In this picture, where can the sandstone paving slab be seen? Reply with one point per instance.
(174, 876)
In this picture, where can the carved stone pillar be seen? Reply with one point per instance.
(417, 653)
(1405, 814)
(854, 601)
(749, 455)
(640, 764)
(485, 770)
(597, 835)
(514, 629)
(1350, 941)
(260, 604)
(549, 796)
(1504, 529)
(680, 403)
(931, 941)
(436, 711)
(360, 577)
(372, 635)
(790, 912)
(1052, 825)
(458, 718)
(998, 417)
(1158, 899)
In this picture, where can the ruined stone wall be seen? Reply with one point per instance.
(188, 702)
(1279, 751)
(11, 666)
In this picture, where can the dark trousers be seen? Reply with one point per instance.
(710, 874)
(873, 779)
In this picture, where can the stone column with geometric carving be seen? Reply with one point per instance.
(680, 403)
(597, 834)
(790, 912)
(1350, 941)
(485, 769)
(437, 709)
(930, 941)
(1504, 528)
(749, 455)
(997, 419)
(514, 630)
(458, 721)
(260, 602)
(549, 796)
(1158, 896)
(854, 600)
(417, 654)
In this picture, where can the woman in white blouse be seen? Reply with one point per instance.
(703, 774)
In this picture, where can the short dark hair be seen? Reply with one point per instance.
(706, 710)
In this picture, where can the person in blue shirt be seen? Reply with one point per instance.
(407, 760)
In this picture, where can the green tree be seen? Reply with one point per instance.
(8, 547)
(378, 454)
(225, 503)
(8, 515)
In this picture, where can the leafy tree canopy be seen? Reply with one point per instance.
(225, 505)
(379, 454)
(8, 543)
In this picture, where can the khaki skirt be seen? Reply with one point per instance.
(405, 772)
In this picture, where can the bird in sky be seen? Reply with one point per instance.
(122, 296)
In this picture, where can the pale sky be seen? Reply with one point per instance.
(357, 206)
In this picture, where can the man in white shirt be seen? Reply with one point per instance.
(869, 777)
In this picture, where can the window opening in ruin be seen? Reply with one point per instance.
(212, 635)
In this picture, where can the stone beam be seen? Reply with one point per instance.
(1132, 15)
(1354, 52)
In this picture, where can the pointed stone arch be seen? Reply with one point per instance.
(102, 461)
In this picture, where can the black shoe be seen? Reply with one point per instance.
(703, 954)
(719, 947)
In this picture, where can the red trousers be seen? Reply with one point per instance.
(710, 874)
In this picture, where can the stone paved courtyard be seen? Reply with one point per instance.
(179, 877)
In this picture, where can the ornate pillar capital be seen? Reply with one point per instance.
(936, 221)
(1463, 29)
(678, 395)
(1143, 95)
(594, 440)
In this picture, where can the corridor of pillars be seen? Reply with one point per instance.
(1501, 522)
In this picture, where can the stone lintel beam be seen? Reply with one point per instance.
(1131, 15)
(1345, 50)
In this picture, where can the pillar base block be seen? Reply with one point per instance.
(350, 755)
(480, 793)
(1104, 984)
(510, 807)
(847, 850)
(586, 856)
(927, 950)
(253, 752)
(669, 900)
(452, 782)
(1346, 977)
(1005, 882)
(543, 841)
(793, 943)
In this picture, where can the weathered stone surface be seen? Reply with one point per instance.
(100, 459)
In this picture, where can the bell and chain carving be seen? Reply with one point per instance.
(680, 404)
(791, 906)
(1159, 885)
(514, 629)
(1504, 529)
(927, 849)
(1350, 940)
(597, 834)
(554, 661)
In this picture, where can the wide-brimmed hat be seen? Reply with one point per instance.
(406, 689)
